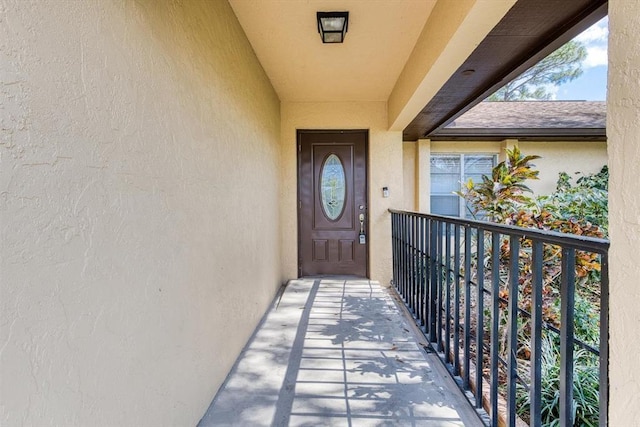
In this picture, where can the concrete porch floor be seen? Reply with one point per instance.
(337, 352)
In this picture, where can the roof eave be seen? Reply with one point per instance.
(493, 67)
(529, 134)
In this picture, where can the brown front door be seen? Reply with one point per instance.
(332, 203)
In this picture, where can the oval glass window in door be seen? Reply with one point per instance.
(332, 187)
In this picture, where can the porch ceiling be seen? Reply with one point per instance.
(413, 54)
(380, 38)
(531, 30)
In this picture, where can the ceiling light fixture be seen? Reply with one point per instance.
(332, 26)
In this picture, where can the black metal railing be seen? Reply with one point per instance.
(490, 315)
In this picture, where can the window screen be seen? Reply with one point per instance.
(448, 172)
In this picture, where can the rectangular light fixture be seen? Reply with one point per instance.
(332, 26)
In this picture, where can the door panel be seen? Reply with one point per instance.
(332, 190)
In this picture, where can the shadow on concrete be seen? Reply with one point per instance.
(337, 352)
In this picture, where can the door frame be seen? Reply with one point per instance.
(299, 133)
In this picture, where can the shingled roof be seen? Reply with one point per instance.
(530, 120)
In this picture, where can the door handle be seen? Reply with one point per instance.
(362, 236)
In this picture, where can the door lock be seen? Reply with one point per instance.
(362, 237)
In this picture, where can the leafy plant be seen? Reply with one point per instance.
(503, 193)
(580, 209)
(585, 387)
(586, 201)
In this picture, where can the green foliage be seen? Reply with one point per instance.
(585, 387)
(503, 193)
(586, 321)
(562, 66)
(581, 209)
(564, 182)
(598, 180)
(586, 201)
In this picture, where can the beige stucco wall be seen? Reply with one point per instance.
(409, 175)
(585, 157)
(139, 208)
(623, 131)
(569, 156)
(484, 147)
(385, 170)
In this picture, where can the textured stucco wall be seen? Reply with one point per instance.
(139, 209)
(570, 156)
(623, 131)
(385, 170)
(409, 175)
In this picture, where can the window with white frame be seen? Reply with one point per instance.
(448, 173)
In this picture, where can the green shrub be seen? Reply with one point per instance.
(585, 387)
(586, 200)
(578, 208)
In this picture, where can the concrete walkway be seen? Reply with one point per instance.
(333, 352)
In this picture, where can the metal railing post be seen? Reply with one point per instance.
(512, 330)
(535, 392)
(567, 302)
(433, 282)
(479, 317)
(467, 306)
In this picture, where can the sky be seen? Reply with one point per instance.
(592, 84)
